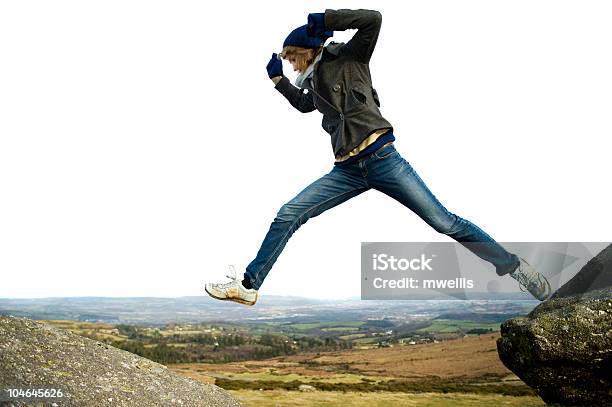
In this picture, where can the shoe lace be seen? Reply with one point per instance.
(528, 277)
(231, 274)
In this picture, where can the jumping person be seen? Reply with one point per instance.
(335, 80)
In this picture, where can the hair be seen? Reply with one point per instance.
(303, 56)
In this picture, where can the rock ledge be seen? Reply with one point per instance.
(91, 373)
(563, 348)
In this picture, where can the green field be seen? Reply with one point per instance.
(373, 339)
(352, 336)
(289, 377)
(340, 329)
(342, 326)
(450, 325)
(281, 398)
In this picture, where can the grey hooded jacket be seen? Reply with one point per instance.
(341, 85)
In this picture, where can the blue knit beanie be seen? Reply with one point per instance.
(300, 38)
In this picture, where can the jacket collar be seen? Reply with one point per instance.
(333, 48)
(307, 74)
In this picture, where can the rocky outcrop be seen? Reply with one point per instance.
(563, 348)
(90, 373)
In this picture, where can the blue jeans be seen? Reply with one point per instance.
(386, 171)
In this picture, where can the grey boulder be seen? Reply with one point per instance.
(563, 347)
(90, 373)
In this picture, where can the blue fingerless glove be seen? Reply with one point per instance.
(316, 25)
(275, 66)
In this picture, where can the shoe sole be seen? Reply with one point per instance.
(234, 299)
(547, 288)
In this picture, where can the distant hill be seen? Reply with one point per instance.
(155, 310)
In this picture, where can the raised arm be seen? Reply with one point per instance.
(298, 99)
(367, 23)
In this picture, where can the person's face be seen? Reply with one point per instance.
(293, 62)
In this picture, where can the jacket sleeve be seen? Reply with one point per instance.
(298, 99)
(367, 23)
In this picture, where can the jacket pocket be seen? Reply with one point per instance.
(358, 96)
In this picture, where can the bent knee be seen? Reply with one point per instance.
(290, 213)
(444, 224)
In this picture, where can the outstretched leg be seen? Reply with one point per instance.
(328, 191)
(389, 173)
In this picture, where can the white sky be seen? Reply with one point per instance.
(143, 147)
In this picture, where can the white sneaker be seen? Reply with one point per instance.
(232, 290)
(529, 279)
